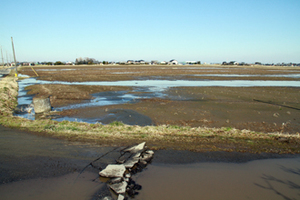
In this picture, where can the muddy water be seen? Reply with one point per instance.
(66, 187)
(261, 179)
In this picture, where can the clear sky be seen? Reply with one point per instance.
(267, 31)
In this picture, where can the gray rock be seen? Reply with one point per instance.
(112, 171)
(119, 188)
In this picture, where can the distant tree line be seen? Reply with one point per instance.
(86, 61)
(259, 63)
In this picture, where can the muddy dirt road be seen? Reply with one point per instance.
(24, 155)
(38, 167)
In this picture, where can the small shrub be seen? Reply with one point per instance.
(228, 128)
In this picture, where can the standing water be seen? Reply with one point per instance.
(261, 179)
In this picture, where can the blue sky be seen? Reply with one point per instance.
(119, 30)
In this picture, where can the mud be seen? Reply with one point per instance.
(130, 72)
(62, 95)
(260, 109)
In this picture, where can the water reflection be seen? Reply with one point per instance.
(230, 180)
(163, 84)
(251, 75)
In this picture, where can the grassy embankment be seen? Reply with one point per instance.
(157, 137)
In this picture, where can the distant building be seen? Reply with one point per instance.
(70, 63)
(191, 62)
(153, 62)
(173, 62)
(140, 62)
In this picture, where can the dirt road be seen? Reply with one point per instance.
(25, 156)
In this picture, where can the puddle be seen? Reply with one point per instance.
(261, 179)
(125, 73)
(65, 187)
(251, 75)
(203, 68)
(49, 70)
(155, 85)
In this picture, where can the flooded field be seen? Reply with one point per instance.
(260, 99)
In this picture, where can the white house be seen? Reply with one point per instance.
(173, 62)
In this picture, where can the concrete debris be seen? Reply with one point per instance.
(112, 171)
(121, 160)
(146, 157)
(130, 163)
(134, 160)
(137, 155)
(107, 198)
(127, 175)
(136, 148)
(121, 197)
(41, 104)
(116, 180)
(119, 188)
(143, 162)
(150, 152)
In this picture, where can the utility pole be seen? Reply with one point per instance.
(7, 59)
(2, 57)
(12, 43)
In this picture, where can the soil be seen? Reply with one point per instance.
(257, 109)
(264, 109)
(62, 95)
(131, 72)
